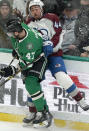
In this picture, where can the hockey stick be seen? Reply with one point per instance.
(10, 77)
(9, 65)
(12, 61)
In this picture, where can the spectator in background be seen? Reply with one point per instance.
(51, 6)
(82, 29)
(70, 15)
(5, 14)
(54, 6)
(62, 5)
(20, 6)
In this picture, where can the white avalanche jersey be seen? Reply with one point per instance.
(45, 26)
(49, 25)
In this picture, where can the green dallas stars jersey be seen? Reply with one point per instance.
(30, 47)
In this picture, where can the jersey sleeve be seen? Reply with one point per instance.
(56, 27)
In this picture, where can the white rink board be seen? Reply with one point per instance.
(13, 95)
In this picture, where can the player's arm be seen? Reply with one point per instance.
(58, 29)
(15, 55)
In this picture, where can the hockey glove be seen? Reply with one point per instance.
(8, 71)
(15, 55)
(47, 48)
(45, 37)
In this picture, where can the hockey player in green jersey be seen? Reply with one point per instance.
(28, 44)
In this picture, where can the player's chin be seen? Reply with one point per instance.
(36, 17)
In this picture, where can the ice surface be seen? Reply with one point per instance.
(9, 126)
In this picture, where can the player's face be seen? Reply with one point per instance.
(13, 34)
(17, 35)
(36, 12)
(84, 2)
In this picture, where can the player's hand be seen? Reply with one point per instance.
(85, 54)
(72, 47)
(2, 72)
(48, 48)
(7, 71)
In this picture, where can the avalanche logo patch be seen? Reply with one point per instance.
(58, 65)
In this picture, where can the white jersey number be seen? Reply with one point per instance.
(30, 56)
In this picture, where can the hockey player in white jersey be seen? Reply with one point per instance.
(49, 25)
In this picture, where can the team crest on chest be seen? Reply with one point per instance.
(30, 46)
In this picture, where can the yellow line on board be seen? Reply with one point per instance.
(80, 126)
(11, 117)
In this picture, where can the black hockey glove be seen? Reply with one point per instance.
(8, 71)
(15, 55)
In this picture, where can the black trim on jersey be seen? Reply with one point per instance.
(38, 68)
(36, 95)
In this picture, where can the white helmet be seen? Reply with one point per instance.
(36, 2)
